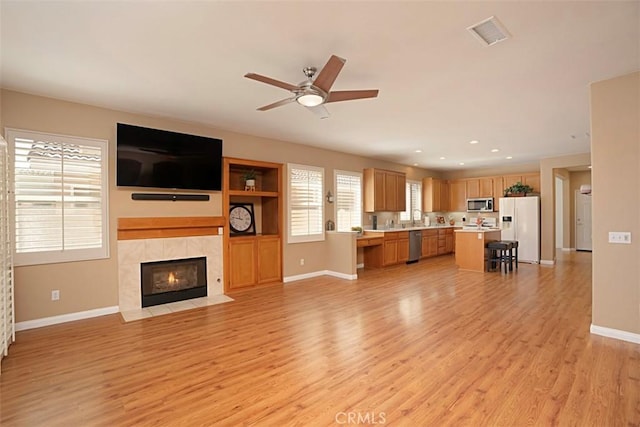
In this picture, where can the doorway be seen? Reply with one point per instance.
(583, 222)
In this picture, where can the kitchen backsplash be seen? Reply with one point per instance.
(385, 218)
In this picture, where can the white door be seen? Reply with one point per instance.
(583, 221)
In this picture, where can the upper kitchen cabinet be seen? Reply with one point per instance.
(480, 187)
(435, 195)
(384, 190)
(458, 196)
(531, 179)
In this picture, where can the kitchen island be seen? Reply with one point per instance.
(470, 247)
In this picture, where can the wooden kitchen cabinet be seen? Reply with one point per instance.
(498, 191)
(395, 247)
(486, 187)
(429, 243)
(403, 246)
(473, 188)
(390, 253)
(432, 195)
(458, 196)
(480, 187)
(384, 191)
(445, 241)
(532, 180)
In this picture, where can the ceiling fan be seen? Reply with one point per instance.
(314, 93)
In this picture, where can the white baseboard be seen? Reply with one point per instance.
(63, 318)
(320, 273)
(360, 265)
(568, 249)
(615, 333)
(547, 261)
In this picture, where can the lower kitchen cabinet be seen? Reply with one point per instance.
(396, 247)
(445, 241)
(254, 260)
(437, 242)
(429, 243)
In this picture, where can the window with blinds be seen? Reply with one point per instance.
(305, 203)
(60, 197)
(348, 202)
(413, 194)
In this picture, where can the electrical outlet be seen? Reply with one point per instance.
(301, 261)
(620, 237)
(55, 295)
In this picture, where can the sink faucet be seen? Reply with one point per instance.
(413, 218)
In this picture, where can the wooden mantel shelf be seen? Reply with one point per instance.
(160, 227)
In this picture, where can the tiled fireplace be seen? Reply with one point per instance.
(135, 252)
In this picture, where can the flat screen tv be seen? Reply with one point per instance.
(162, 159)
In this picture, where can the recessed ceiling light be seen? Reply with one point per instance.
(495, 150)
(442, 158)
(415, 164)
(475, 141)
(461, 163)
(508, 157)
(418, 151)
(589, 166)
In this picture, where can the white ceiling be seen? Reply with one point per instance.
(439, 87)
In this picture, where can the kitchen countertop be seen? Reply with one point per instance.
(411, 228)
(478, 230)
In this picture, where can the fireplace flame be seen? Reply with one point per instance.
(172, 279)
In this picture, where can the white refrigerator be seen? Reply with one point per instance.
(520, 220)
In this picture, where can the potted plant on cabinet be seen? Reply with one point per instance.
(518, 190)
(249, 178)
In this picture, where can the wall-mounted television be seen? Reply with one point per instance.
(163, 159)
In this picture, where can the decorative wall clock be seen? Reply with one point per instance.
(241, 219)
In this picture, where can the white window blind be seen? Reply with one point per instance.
(7, 312)
(413, 194)
(305, 203)
(60, 197)
(348, 202)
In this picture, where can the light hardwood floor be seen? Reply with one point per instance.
(420, 344)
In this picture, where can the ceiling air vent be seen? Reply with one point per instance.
(489, 32)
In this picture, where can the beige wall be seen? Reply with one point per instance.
(615, 147)
(94, 284)
(548, 169)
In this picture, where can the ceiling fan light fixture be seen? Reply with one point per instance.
(310, 99)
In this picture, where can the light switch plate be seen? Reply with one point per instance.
(620, 237)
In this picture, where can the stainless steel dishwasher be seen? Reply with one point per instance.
(415, 245)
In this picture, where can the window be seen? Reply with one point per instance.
(348, 200)
(60, 197)
(414, 202)
(306, 203)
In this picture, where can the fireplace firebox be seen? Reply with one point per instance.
(174, 280)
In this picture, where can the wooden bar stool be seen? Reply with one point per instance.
(499, 255)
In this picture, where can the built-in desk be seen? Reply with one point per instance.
(372, 249)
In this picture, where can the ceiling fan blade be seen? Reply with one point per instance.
(277, 104)
(329, 73)
(347, 95)
(270, 81)
(320, 111)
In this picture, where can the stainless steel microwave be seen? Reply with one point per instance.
(484, 204)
